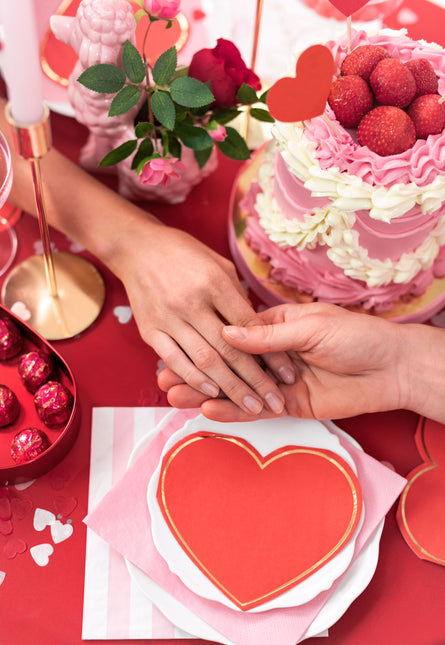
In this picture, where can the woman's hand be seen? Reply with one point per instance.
(182, 294)
(346, 363)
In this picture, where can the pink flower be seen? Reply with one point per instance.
(226, 71)
(219, 134)
(166, 9)
(160, 171)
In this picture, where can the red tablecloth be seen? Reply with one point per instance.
(404, 603)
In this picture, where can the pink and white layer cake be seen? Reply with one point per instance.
(342, 223)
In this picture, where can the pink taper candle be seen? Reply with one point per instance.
(23, 73)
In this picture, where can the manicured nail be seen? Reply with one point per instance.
(287, 375)
(252, 405)
(237, 333)
(209, 389)
(274, 402)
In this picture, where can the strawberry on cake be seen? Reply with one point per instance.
(350, 209)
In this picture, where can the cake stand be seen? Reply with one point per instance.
(256, 270)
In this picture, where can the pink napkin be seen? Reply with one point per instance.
(122, 519)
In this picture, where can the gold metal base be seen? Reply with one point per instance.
(79, 300)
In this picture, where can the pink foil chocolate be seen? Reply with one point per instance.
(9, 406)
(11, 340)
(54, 403)
(28, 444)
(35, 368)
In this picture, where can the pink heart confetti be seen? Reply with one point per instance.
(14, 546)
(65, 505)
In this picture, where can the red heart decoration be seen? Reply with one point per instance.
(65, 505)
(13, 547)
(5, 508)
(257, 526)
(305, 96)
(6, 527)
(348, 7)
(21, 506)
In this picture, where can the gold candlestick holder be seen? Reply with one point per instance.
(61, 293)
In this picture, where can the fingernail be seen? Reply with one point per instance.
(287, 375)
(252, 405)
(209, 389)
(238, 333)
(274, 402)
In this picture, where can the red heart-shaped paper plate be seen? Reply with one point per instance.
(304, 96)
(257, 526)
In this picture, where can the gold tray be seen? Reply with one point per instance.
(256, 270)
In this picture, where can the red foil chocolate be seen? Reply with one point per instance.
(28, 444)
(54, 403)
(9, 406)
(11, 340)
(35, 368)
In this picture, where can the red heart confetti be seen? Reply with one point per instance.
(14, 546)
(21, 506)
(6, 527)
(304, 96)
(348, 7)
(5, 509)
(58, 479)
(257, 526)
(65, 505)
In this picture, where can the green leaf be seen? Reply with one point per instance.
(234, 145)
(190, 92)
(124, 100)
(118, 154)
(193, 137)
(165, 66)
(143, 153)
(246, 95)
(143, 128)
(132, 63)
(263, 97)
(140, 3)
(174, 145)
(262, 115)
(202, 156)
(103, 78)
(163, 109)
(226, 115)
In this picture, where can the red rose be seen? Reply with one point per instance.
(226, 71)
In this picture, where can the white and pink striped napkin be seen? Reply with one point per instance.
(114, 607)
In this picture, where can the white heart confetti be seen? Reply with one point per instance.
(407, 17)
(24, 485)
(123, 314)
(60, 532)
(43, 518)
(40, 553)
(2, 577)
(21, 310)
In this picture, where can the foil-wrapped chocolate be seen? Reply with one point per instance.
(28, 444)
(35, 368)
(54, 403)
(9, 406)
(11, 339)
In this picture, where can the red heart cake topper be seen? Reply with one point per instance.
(348, 7)
(305, 96)
(257, 526)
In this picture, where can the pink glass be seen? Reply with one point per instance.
(8, 213)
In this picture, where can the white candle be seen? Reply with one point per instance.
(23, 74)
